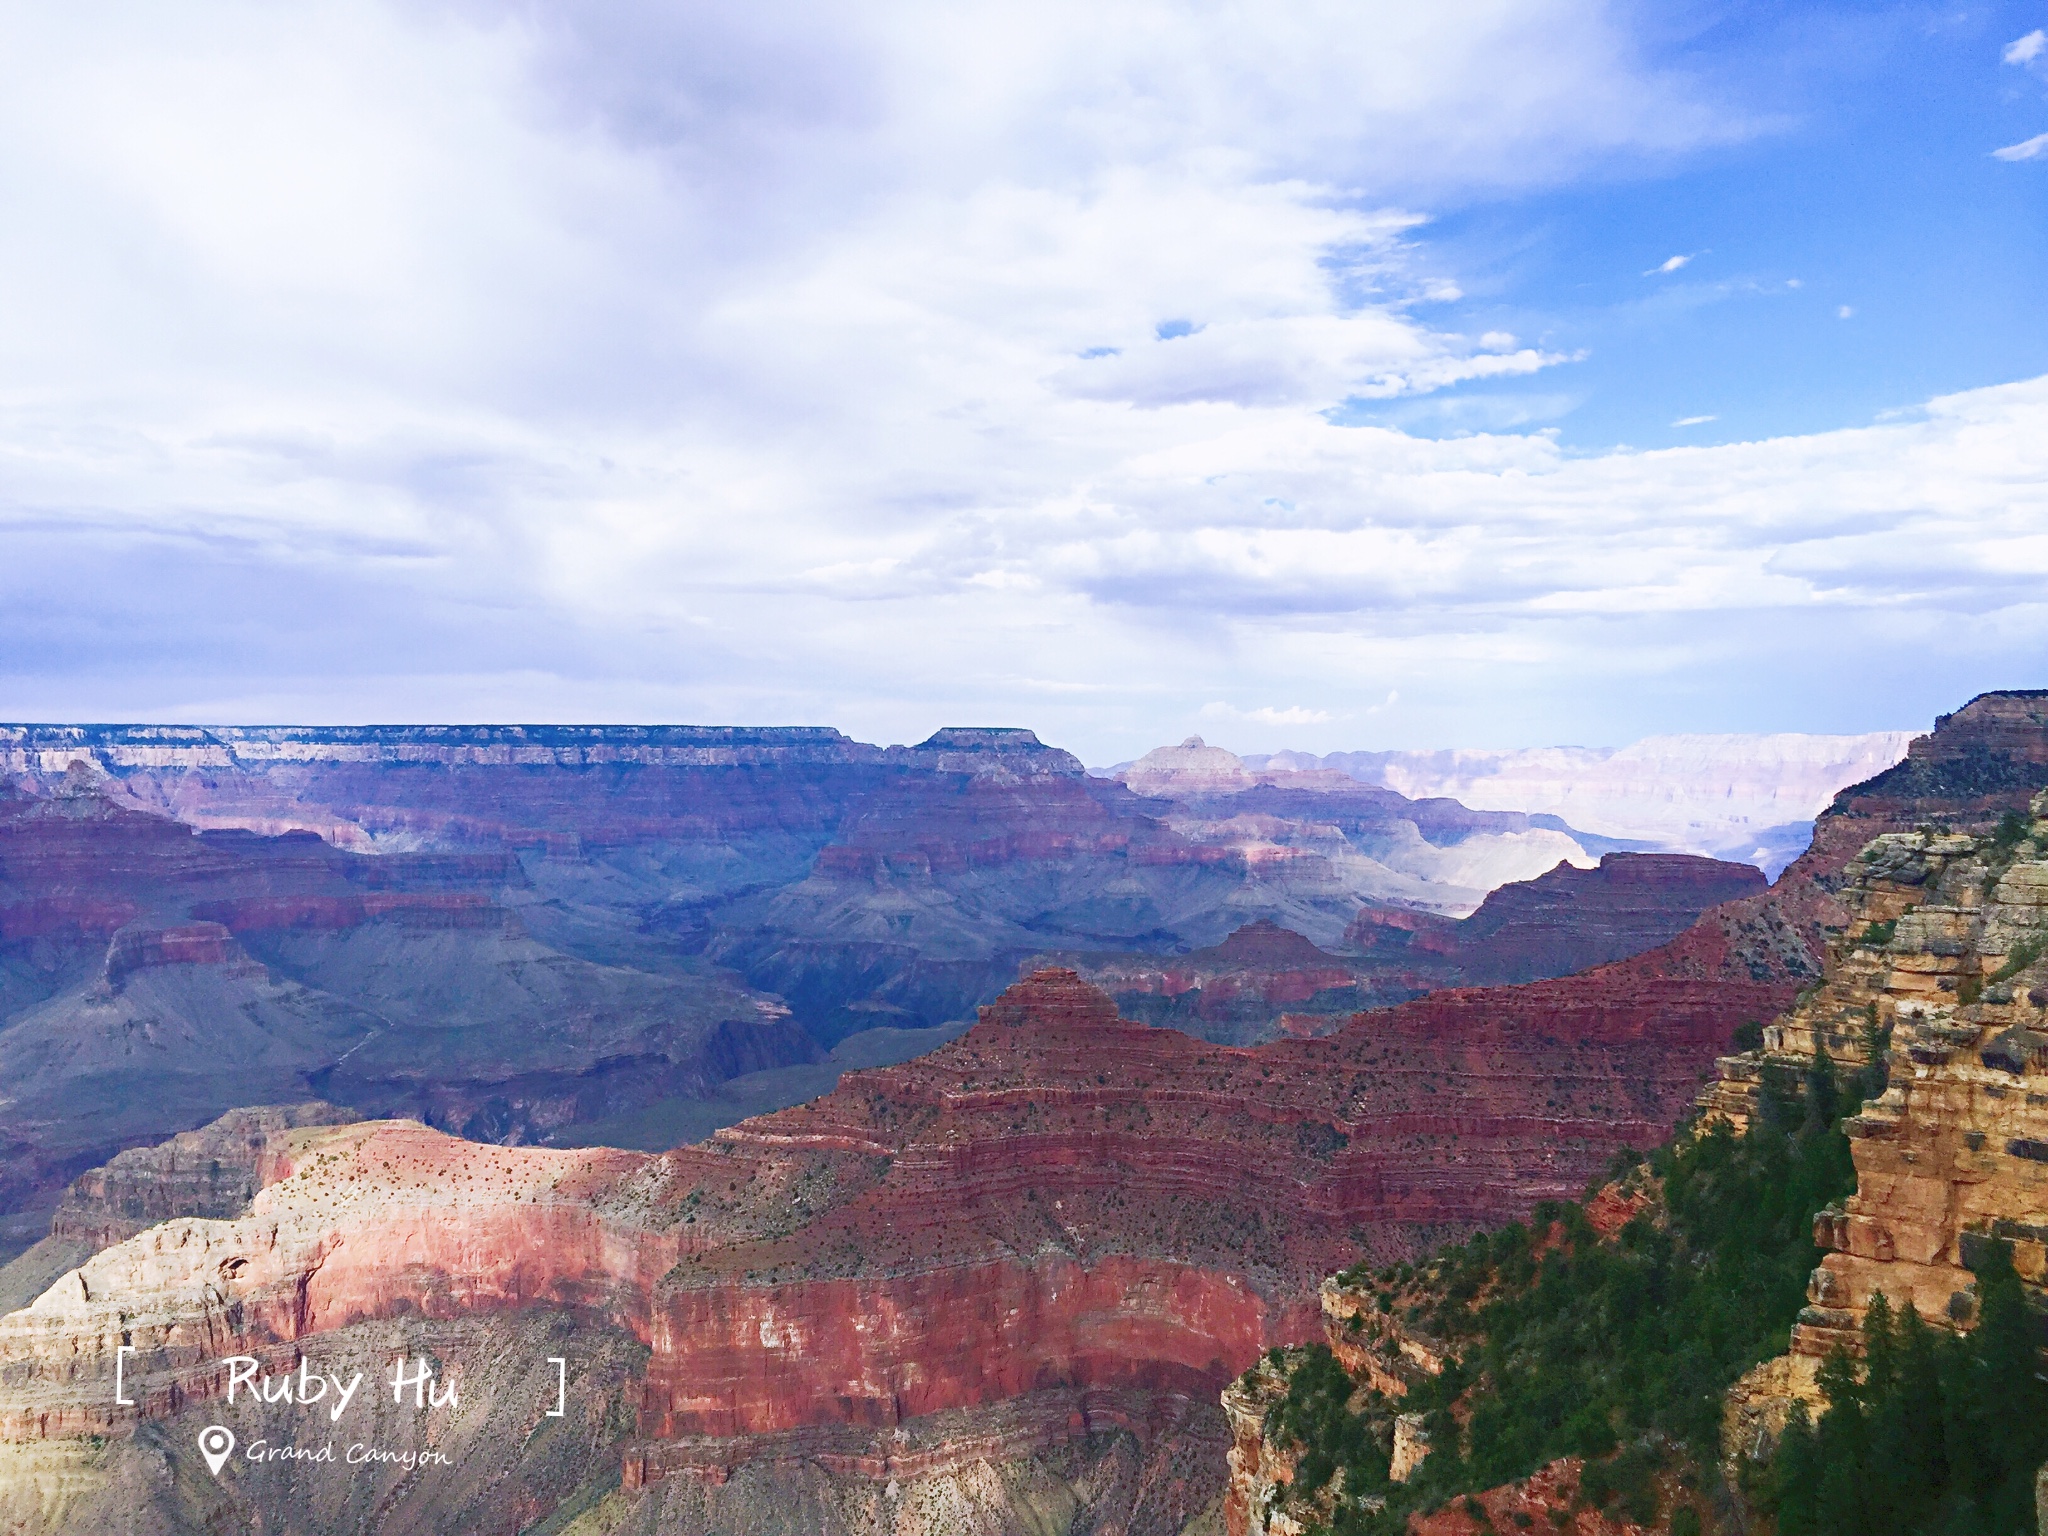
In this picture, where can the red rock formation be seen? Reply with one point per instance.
(1566, 920)
(1060, 1206)
(151, 977)
(1059, 1199)
(1570, 918)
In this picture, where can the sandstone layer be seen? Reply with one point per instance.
(1064, 1230)
(1926, 892)
(1940, 979)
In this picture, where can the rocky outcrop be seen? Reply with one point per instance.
(1940, 977)
(1935, 988)
(1260, 1467)
(1265, 980)
(211, 1173)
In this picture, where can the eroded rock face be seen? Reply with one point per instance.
(1941, 973)
(1935, 975)
(1266, 980)
(1059, 1201)
(1937, 979)
(151, 977)
(213, 1172)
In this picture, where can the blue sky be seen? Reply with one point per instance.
(1308, 376)
(1867, 184)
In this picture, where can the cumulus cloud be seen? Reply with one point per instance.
(883, 366)
(2025, 50)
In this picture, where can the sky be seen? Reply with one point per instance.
(1314, 376)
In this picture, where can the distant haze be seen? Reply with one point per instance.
(1738, 797)
(1746, 797)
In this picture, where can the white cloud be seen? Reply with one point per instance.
(2026, 149)
(2024, 50)
(471, 361)
(1694, 421)
(1669, 264)
(1845, 312)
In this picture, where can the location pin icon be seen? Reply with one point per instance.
(216, 1444)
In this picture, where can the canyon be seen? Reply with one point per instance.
(1926, 892)
(1016, 1270)
(997, 1287)
(517, 933)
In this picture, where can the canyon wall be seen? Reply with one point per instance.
(1265, 981)
(1028, 1261)
(1936, 989)
(512, 932)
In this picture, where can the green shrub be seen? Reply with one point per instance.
(2023, 954)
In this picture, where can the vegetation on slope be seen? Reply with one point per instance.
(1564, 1343)
(1936, 1433)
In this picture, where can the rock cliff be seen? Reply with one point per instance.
(1047, 1245)
(1937, 987)
(1265, 980)
(151, 977)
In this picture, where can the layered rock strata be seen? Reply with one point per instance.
(151, 977)
(1061, 1209)
(1934, 986)
(534, 882)
(1940, 977)
(1266, 980)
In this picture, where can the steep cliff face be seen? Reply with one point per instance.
(1935, 975)
(1064, 1230)
(1939, 979)
(1265, 980)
